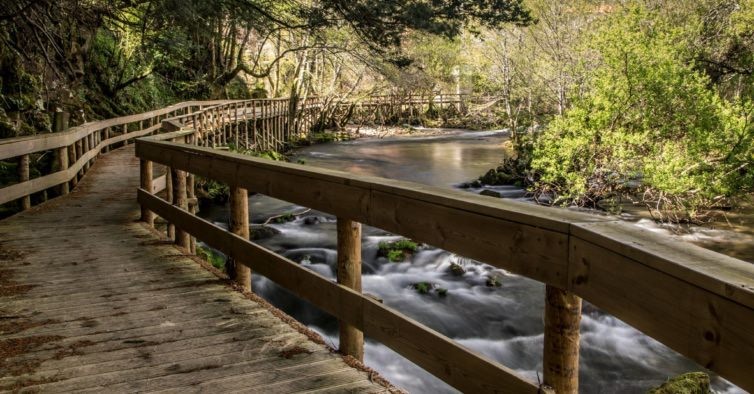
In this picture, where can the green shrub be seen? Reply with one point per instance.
(649, 118)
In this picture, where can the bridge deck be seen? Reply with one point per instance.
(91, 300)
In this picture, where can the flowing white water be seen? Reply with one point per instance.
(503, 322)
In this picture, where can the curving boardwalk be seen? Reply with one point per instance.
(93, 301)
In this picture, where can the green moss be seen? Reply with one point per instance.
(397, 251)
(442, 292)
(422, 287)
(457, 269)
(270, 155)
(217, 260)
(395, 255)
(689, 383)
(288, 217)
(493, 281)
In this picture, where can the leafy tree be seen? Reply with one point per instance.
(651, 118)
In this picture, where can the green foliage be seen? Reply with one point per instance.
(285, 218)
(383, 24)
(217, 260)
(267, 154)
(649, 117)
(397, 251)
(213, 190)
(270, 155)
(689, 383)
(422, 287)
(396, 255)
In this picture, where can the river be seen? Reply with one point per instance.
(503, 322)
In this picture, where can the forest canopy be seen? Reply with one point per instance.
(103, 58)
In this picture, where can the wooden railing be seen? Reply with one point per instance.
(697, 302)
(76, 149)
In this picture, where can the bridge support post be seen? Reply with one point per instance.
(561, 342)
(239, 225)
(23, 176)
(349, 275)
(145, 167)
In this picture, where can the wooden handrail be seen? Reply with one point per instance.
(76, 149)
(697, 302)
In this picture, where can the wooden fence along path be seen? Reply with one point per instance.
(697, 302)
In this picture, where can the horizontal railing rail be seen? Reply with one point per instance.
(695, 301)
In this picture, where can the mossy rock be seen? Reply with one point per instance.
(689, 383)
(263, 232)
(495, 177)
(456, 269)
(493, 281)
(397, 251)
(490, 193)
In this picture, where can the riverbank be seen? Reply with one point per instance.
(394, 131)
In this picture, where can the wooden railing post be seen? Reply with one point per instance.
(193, 205)
(180, 200)
(23, 176)
(349, 275)
(239, 225)
(62, 159)
(106, 148)
(84, 151)
(146, 183)
(72, 158)
(169, 197)
(561, 342)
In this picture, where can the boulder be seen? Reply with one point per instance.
(262, 232)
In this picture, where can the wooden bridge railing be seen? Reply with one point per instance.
(697, 302)
(76, 149)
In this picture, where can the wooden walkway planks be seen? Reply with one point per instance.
(91, 300)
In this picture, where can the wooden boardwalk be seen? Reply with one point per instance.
(91, 300)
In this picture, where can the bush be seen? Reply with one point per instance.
(649, 119)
